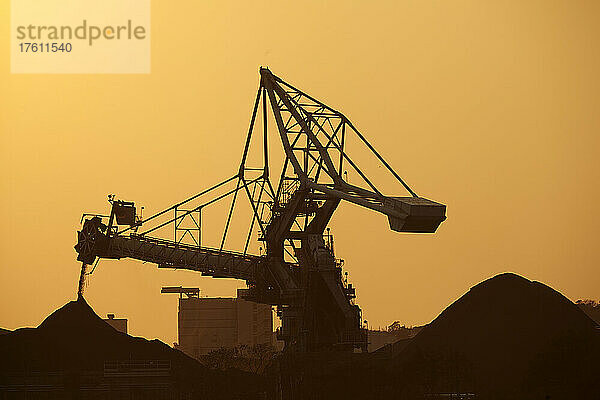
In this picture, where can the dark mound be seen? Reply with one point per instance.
(75, 337)
(74, 340)
(507, 337)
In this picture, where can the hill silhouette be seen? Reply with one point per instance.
(74, 340)
(74, 335)
(507, 337)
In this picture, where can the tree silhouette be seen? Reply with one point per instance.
(591, 308)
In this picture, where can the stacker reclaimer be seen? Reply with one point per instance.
(298, 271)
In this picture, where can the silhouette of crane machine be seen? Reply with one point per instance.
(298, 271)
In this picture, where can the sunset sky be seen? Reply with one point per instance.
(492, 108)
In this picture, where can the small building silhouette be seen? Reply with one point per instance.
(119, 324)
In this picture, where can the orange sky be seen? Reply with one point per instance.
(488, 107)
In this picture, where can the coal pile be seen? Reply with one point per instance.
(507, 338)
(74, 353)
